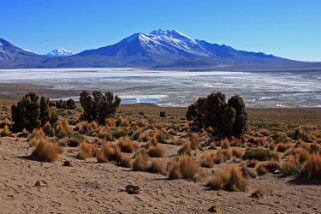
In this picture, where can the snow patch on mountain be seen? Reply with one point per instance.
(60, 52)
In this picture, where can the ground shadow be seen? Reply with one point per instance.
(303, 181)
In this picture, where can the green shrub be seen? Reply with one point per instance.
(258, 154)
(227, 119)
(99, 106)
(162, 114)
(31, 113)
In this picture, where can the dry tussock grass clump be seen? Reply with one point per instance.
(283, 147)
(221, 156)
(207, 161)
(110, 122)
(86, 151)
(46, 151)
(5, 132)
(259, 192)
(126, 145)
(298, 155)
(161, 136)
(269, 166)
(225, 143)
(182, 167)
(141, 161)
(24, 133)
(125, 161)
(137, 134)
(156, 151)
(63, 128)
(315, 148)
(105, 133)
(186, 148)
(301, 144)
(195, 141)
(73, 141)
(88, 128)
(156, 167)
(35, 136)
(231, 179)
(105, 153)
(5, 122)
(312, 167)
(238, 153)
(48, 129)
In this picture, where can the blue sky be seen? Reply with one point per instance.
(287, 28)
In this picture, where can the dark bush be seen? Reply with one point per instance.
(227, 119)
(99, 106)
(31, 113)
(64, 104)
(162, 114)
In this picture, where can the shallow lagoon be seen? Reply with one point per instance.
(180, 88)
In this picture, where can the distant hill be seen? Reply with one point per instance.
(160, 49)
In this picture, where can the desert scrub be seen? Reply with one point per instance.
(312, 167)
(5, 132)
(207, 161)
(258, 154)
(269, 166)
(231, 179)
(186, 148)
(156, 151)
(182, 167)
(62, 128)
(86, 151)
(141, 161)
(290, 168)
(259, 192)
(126, 145)
(46, 151)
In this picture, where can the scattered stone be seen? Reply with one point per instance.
(67, 163)
(131, 189)
(41, 183)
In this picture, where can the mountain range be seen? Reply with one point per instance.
(159, 49)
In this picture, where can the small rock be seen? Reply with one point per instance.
(67, 163)
(131, 189)
(41, 183)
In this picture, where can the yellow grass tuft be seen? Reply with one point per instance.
(105, 153)
(182, 167)
(186, 148)
(230, 179)
(5, 132)
(207, 161)
(156, 167)
(259, 192)
(156, 151)
(46, 151)
(312, 167)
(126, 145)
(85, 151)
(63, 128)
(141, 161)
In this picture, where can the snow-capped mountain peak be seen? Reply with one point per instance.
(60, 52)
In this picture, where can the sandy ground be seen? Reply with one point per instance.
(91, 187)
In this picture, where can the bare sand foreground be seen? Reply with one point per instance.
(91, 187)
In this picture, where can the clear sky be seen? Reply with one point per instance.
(287, 28)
